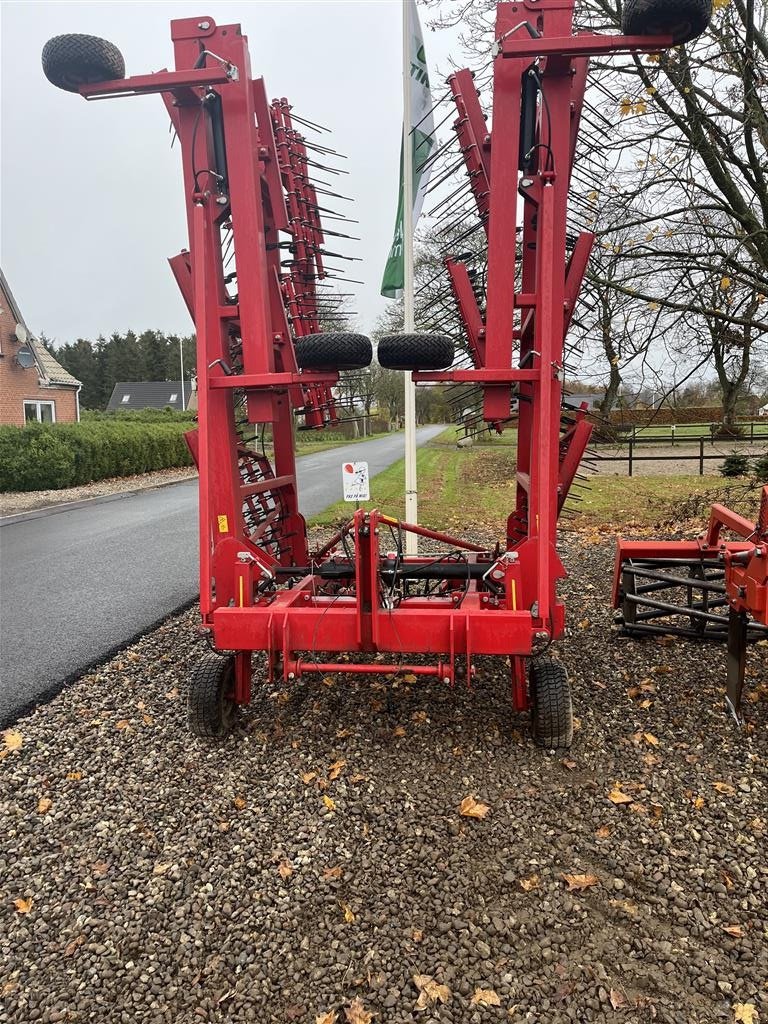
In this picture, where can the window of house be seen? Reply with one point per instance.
(125, 399)
(174, 396)
(40, 412)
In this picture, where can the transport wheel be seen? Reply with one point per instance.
(415, 351)
(211, 707)
(333, 351)
(74, 60)
(551, 708)
(682, 19)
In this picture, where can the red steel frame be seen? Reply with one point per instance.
(251, 530)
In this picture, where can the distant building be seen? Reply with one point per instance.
(150, 394)
(33, 385)
(576, 400)
(763, 410)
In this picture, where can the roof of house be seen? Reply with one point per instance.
(149, 394)
(49, 369)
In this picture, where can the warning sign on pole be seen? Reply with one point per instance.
(354, 476)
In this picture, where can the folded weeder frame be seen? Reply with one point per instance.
(261, 361)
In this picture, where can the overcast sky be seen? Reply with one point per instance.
(92, 203)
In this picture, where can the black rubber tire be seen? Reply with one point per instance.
(74, 60)
(210, 706)
(335, 350)
(551, 707)
(415, 351)
(682, 19)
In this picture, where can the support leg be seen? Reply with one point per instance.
(736, 661)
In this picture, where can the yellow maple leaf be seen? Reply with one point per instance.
(74, 776)
(308, 777)
(725, 283)
(617, 797)
(625, 106)
(577, 883)
(44, 805)
(285, 869)
(23, 906)
(485, 997)
(471, 808)
(430, 991)
(349, 916)
(745, 1013)
(329, 803)
(410, 678)
(13, 739)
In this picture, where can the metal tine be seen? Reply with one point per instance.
(335, 195)
(340, 234)
(325, 150)
(432, 109)
(309, 124)
(445, 177)
(434, 156)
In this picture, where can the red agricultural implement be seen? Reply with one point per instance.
(262, 360)
(704, 589)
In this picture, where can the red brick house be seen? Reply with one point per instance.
(33, 386)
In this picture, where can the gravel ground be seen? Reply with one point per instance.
(13, 502)
(686, 461)
(315, 863)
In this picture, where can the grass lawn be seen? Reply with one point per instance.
(469, 489)
(309, 442)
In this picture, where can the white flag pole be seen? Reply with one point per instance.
(411, 483)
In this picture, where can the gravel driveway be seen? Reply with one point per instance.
(312, 866)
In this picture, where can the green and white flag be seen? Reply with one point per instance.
(422, 125)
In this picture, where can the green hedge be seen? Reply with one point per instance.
(48, 457)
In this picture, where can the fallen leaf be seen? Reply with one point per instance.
(471, 808)
(335, 769)
(173, 693)
(71, 947)
(485, 997)
(356, 1012)
(698, 803)
(410, 678)
(745, 1013)
(349, 916)
(618, 999)
(13, 739)
(417, 935)
(727, 879)
(728, 790)
(585, 624)
(617, 797)
(530, 883)
(308, 777)
(285, 869)
(161, 867)
(240, 802)
(332, 874)
(330, 804)
(567, 763)
(23, 906)
(734, 930)
(430, 992)
(74, 776)
(331, 1017)
(329, 681)
(577, 883)
(122, 724)
(147, 719)
(603, 832)
(100, 868)
(44, 805)
(419, 716)
(399, 730)
(357, 777)
(650, 759)
(650, 738)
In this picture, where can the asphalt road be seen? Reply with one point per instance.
(77, 583)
